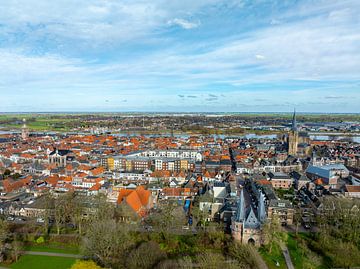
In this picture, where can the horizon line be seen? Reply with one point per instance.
(173, 112)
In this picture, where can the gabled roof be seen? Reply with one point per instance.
(251, 221)
(137, 199)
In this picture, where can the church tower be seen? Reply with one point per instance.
(293, 138)
(24, 131)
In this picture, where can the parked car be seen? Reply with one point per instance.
(40, 220)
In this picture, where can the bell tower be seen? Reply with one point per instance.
(293, 137)
(24, 131)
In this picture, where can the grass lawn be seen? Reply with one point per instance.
(275, 256)
(301, 255)
(41, 123)
(296, 252)
(53, 249)
(42, 262)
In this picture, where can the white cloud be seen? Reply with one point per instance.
(259, 57)
(184, 23)
(319, 44)
(93, 21)
(17, 68)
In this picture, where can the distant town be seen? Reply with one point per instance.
(263, 190)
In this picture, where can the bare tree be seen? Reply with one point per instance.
(17, 249)
(4, 235)
(48, 200)
(147, 255)
(297, 219)
(106, 241)
(168, 218)
(272, 232)
(210, 260)
(77, 213)
(247, 256)
(59, 213)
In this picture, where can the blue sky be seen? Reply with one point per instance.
(181, 56)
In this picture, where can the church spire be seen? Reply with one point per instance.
(294, 124)
(261, 208)
(24, 130)
(240, 214)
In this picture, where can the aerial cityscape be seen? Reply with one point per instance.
(179, 134)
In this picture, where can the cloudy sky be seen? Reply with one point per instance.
(180, 55)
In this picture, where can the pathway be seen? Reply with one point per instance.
(54, 254)
(287, 257)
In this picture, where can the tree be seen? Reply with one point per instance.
(339, 222)
(124, 213)
(17, 248)
(345, 255)
(147, 255)
(272, 232)
(167, 218)
(59, 213)
(210, 260)
(200, 216)
(297, 219)
(103, 209)
(184, 262)
(4, 231)
(246, 255)
(48, 200)
(106, 242)
(77, 212)
(4, 235)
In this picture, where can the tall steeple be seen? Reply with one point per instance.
(293, 137)
(261, 208)
(294, 124)
(24, 131)
(240, 212)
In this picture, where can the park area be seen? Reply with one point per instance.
(45, 256)
(42, 262)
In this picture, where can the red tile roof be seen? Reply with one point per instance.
(12, 185)
(138, 199)
(352, 188)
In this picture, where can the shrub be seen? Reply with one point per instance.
(85, 265)
(40, 240)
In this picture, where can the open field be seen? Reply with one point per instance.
(148, 123)
(42, 262)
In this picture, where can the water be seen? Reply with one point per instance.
(335, 138)
(255, 136)
(354, 138)
(184, 136)
(5, 132)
